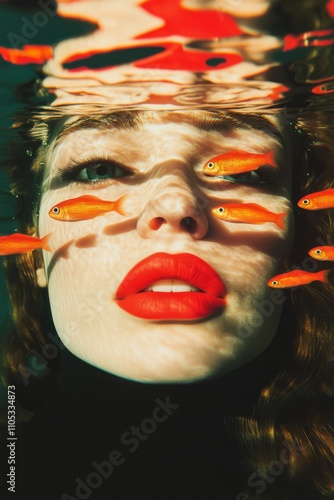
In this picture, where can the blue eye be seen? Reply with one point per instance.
(93, 171)
(99, 171)
(246, 177)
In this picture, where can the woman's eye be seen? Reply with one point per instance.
(245, 178)
(99, 171)
(95, 172)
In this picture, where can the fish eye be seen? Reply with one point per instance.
(275, 282)
(318, 251)
(211, 164)
(306, 201)
(221, 210)
(55, 210)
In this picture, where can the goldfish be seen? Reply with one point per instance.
(29, 54)
(323, 88)
(297, 278)
(22, 243)
(249, 213)
(318, 200)
(85, 207)
(322, 253)
(316, 38)
(238, 162)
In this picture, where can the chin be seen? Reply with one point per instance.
(164, 372)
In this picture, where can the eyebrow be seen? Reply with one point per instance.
(211, 121)
(124, 120)
(219, 122)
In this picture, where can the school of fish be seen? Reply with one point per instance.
(88, 207)
(238, 162)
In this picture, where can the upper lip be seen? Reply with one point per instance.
(183, 266)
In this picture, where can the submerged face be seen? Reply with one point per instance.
(168, 291)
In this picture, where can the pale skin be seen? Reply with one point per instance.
(168, 210)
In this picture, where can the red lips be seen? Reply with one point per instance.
(171, 305)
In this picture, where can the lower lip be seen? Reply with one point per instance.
(172, 305)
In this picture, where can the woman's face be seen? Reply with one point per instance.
(167, 292)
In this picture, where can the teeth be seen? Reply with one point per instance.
(171, 286)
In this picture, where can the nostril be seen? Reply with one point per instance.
(156, 223)
(189, 224)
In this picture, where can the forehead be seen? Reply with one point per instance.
(139, 134)
(204, 119)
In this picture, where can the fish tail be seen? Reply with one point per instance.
(45, 243)
(323, 275)
(270, 159)
(118, 205)
(280, 220)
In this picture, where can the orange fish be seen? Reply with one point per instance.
(322, 253)
(316, 38)
(249, 213)
(85, 207)
(323, 88)
(22, 243)
(238, 162)
(318, 200)
(29, 54)
(297, 278)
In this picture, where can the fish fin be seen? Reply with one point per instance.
(323, 275)
(280, 220)
(90, 197)
(249, 205)
(45, 243)
(118, 206)
(270, 159)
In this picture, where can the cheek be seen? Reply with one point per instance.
(256, 255)
(83, 270)
(246, 279)
(81, 286)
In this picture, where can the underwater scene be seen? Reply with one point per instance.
(167, 249)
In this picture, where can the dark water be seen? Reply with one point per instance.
(274, 62)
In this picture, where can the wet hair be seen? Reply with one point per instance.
(295, 408)
(292, 408)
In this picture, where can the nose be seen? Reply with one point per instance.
(175, 210)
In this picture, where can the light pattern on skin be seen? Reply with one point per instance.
(167, 154)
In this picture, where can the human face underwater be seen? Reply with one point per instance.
(165, 291)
